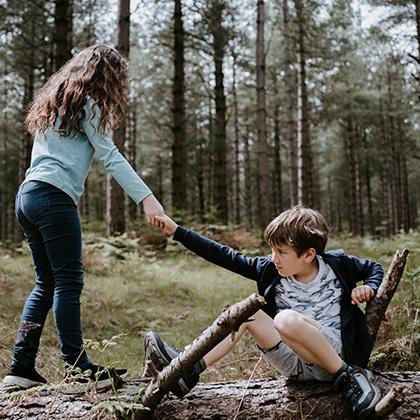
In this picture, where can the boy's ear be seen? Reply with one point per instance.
(310, 254)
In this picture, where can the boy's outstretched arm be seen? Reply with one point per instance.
(213, 251)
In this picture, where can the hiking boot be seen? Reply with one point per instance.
(23, 378)
(358, 387)
(78, 381)
(161, 355)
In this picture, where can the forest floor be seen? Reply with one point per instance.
(131, 287)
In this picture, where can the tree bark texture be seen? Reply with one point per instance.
(63, 31)
(289, 82)
(263, 182)
(375, 310)
(220, 170)
(256, 399)
(305, 166)
(179, 160)
(227, 322)
(115, 194)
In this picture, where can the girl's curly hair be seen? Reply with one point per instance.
(99, 72)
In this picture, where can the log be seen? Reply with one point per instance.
(261, 399)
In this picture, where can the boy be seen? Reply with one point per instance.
(311, 327)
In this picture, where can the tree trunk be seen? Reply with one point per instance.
(237, 200)
(305, 170)
(248, 182)
(277, 168)
(220, 170)
(371, 225)
(63, 28)
(263, 182)
(132, 153)
(179, 167)
(115, 194)
(256, 399)
(289, 81)
(417, 7)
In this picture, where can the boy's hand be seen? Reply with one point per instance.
(166, 224)
(361, 294)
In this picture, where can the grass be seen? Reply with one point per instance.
(179, 295)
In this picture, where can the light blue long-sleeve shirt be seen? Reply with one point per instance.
(65, 161)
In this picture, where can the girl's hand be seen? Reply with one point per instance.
(167, 225)
(361, 294)
(152, 208)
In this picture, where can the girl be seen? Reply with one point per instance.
(71, 118)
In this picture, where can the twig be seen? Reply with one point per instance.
(246, 388)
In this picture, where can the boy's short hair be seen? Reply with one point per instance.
(300, 227)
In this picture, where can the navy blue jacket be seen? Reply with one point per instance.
(357, 344)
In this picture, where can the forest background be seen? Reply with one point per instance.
(237, 110)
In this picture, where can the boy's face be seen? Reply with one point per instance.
(288, 263)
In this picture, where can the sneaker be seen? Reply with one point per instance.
(23, 378)
(161, 355)
(357, 385)
(78, 381)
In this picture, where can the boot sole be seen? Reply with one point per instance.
(21, 382)
(151, 342)
(76, 388)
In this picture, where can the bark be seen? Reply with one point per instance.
(371, 226)
(289, 81)
(376, 309)
(227, 322)
(179, 167)
(237, 200)
(277, 177)
(115, 194)
(304, 166)
(258, 399)
(26, 145)
(248, 182)
(417, 6)
(220, 169)
(132, 154)
(353, 174)
(263, 182)
(63, 28)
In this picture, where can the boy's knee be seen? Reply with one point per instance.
(288, 322)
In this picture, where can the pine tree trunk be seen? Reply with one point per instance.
(289, 82)
(179, 161)
(371, 224)
(237, 201)
(417, 7)
(63, 28)
(132, 153)
(305, 170)
(248, 183)
(277, 167)
(263, 181)
(26, 145)
(220, 170)
(115, 194)
(353, 174)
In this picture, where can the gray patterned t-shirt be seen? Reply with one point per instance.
(319, 299)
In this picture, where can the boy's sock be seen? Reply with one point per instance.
(161, 354)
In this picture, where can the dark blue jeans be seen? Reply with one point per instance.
(51, 224)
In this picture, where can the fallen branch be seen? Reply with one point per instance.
(227, 322)
(375, 310)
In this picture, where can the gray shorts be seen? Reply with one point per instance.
(289, 364)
